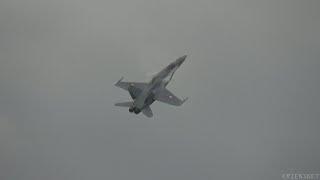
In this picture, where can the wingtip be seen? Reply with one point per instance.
(119, 80)
(149, 116)
(182, 101)
(185, 99)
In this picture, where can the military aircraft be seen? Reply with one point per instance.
(144, 94)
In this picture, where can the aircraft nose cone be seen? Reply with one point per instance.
(182, 59)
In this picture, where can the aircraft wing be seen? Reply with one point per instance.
(134, 88)
(167, 97)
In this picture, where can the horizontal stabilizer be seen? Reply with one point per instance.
(124, 104)
(147, 111)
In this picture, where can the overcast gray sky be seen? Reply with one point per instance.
(252, 75)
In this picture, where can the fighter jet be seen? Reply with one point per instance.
(145, 93)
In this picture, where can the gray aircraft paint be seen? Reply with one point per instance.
(151, 90)
(252, 74)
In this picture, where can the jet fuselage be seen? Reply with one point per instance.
(158, 82)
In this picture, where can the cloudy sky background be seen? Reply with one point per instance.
(252, 75)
